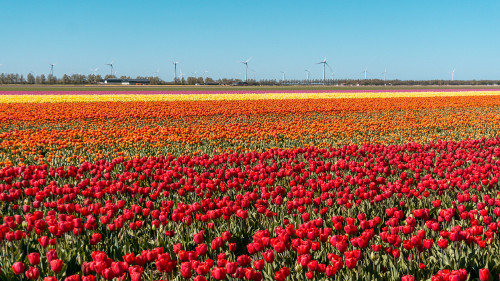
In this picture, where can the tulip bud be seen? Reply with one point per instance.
(298, 267)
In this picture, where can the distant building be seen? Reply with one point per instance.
(118, 81)
(240, 83)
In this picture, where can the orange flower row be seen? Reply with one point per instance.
(75, 131)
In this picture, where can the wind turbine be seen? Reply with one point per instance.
(52, 69)
(283, 75)
(308, 72)
(246, 67)
(385, 73)
(156, 73)
(365, 71)
(111, 65)
(452, 74)
(175, 63)
(324, 68)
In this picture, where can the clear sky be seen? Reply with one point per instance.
(422, 39)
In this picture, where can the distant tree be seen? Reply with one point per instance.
(66, 79)
(51, 79)
(30, 78)
(191, 80)
(43, 80)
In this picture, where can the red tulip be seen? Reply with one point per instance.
(198, 237)
(18, 268)
(259, 264)
(443, 243)
(219, 273)
(135, 272)
(51, 255)
(484, 274)
(186, 270)
(74, 277)
(427, 243)
(43, 241)
(351, 263)
(201, 249)
(231, 267)
(119, 268)
(129, 258)
(226, 235)
(32, 273)
(108, 273)
(330, 271)
(34, 258)
(408, 278)
(268, 256)
(279, 276)
(396, 253)
(56, 265)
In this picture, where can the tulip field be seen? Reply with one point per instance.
(325, 185)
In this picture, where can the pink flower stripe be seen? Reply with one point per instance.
(146, 92)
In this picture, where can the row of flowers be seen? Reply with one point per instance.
(13, 97)
(356, 212)
(60, 133)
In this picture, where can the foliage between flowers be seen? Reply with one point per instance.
(353, 212)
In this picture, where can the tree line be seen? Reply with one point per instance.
(79, 79)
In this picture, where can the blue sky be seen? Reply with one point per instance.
(412, 39)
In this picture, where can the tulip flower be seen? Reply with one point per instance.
(219, 273)
(484, 274)
(32, 273)
(18, 268)
(34, 258)
(135, 273)
(56, 265)
(408, 278)
(51, 255)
